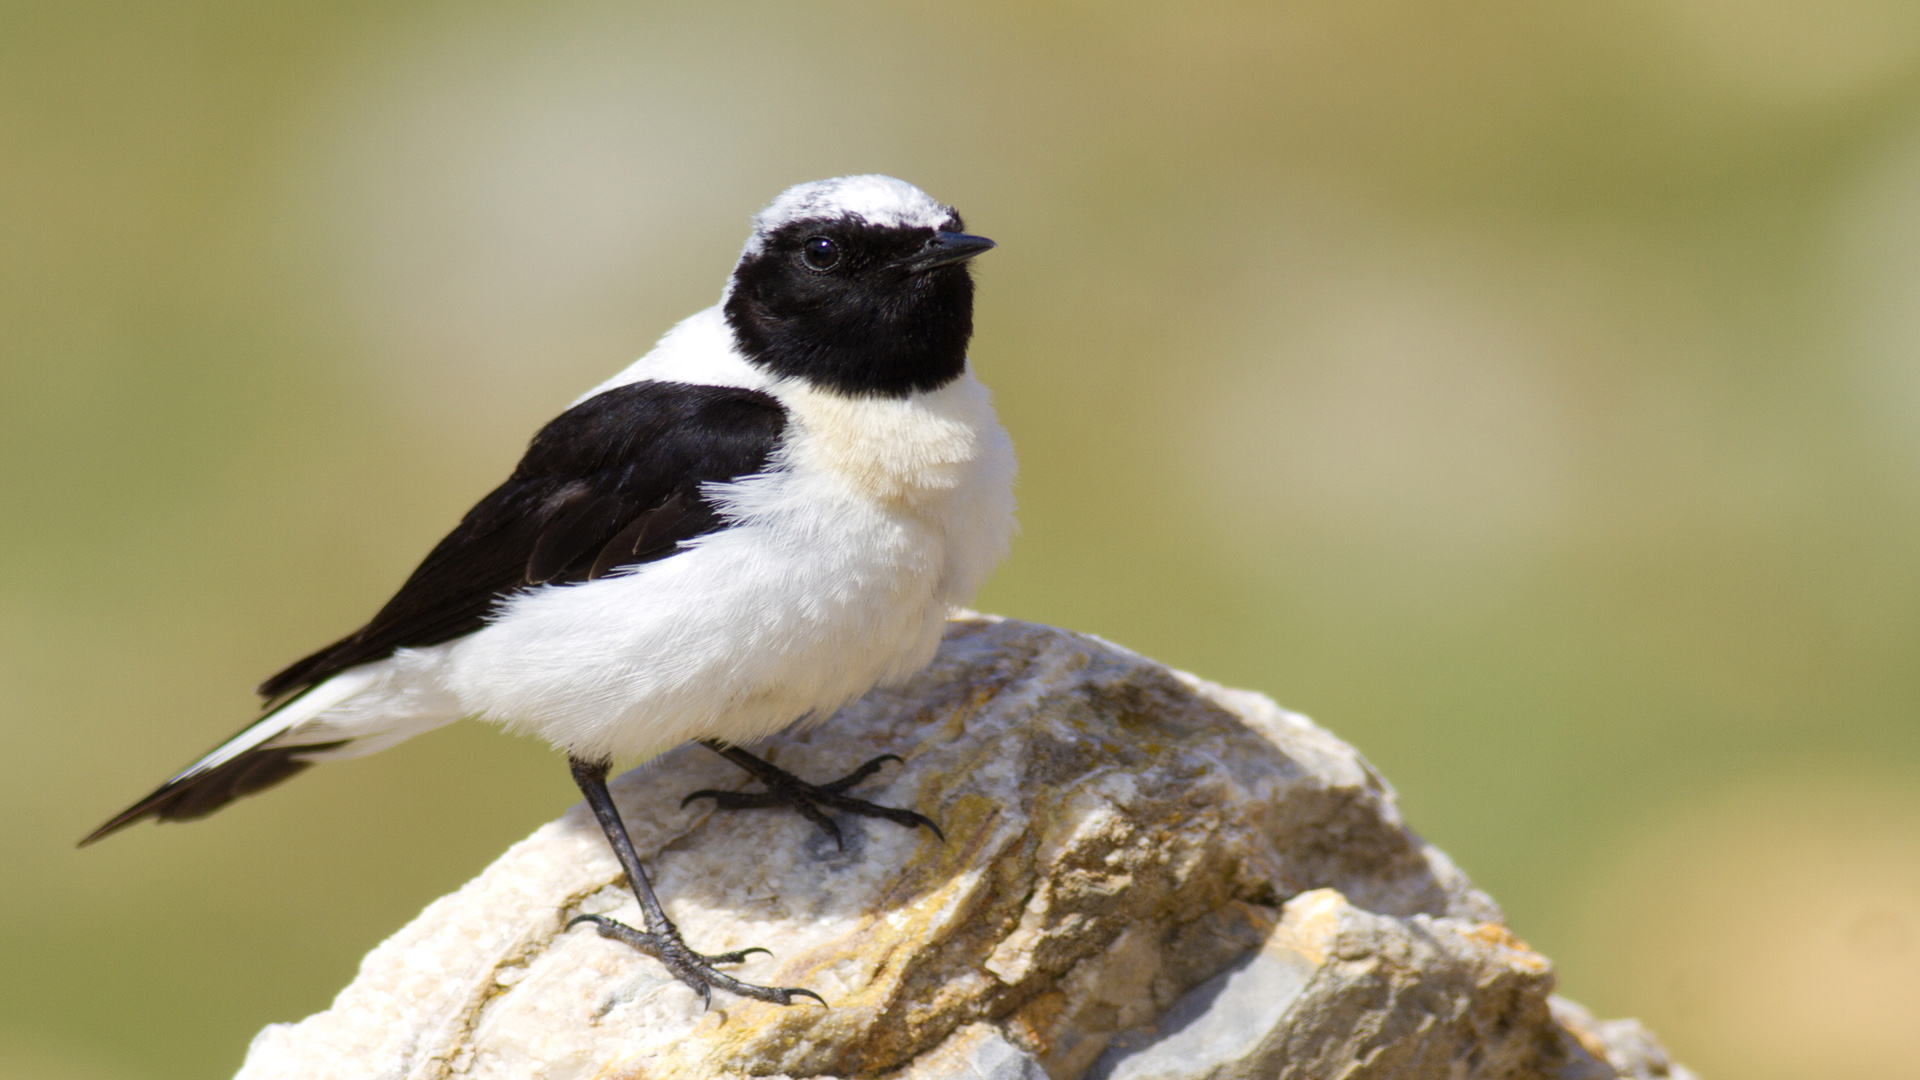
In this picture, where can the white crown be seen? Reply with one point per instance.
(875, 199)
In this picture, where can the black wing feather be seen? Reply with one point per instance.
(655, 534)
(579, 525)
(612, 482)
(626, 466)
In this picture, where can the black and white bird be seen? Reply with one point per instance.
(767, 515)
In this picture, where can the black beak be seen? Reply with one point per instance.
(945, 249)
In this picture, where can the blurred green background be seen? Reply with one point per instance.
(1529, 392)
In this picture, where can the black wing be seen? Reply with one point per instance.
(612, 482)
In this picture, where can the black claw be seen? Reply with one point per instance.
(737, 957)
(692, 968)
(811, 801)
(614, 930)
(865, 770)
(596, 920)
(922, 819)
(828, 825)
(720, 798)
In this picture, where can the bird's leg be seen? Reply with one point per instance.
(810, 800)
(661, 939)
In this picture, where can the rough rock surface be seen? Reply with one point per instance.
(1144, 876)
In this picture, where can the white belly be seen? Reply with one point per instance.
(877, 518)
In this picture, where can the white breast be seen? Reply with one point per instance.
(895, 451)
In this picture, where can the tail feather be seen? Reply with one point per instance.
(196, 795)
(264, 754)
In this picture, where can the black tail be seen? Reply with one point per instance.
(196, 795)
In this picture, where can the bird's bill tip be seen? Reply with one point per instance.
(946, 248)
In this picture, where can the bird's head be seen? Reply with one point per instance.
(858, 285)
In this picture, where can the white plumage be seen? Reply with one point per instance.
(874, 521)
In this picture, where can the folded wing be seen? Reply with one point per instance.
(616, 481)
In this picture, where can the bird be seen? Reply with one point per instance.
(771, 512)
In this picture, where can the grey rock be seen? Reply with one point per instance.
(975, 1052)
(1337, 991)
(1145, 876)
(1610, 1049)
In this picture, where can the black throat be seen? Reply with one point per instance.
(868, 325)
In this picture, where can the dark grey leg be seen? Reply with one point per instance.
(661, 939)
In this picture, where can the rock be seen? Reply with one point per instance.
(1145, 877)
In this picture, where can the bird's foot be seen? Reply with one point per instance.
(811, 801)
(692, 968)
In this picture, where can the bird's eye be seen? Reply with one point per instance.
(820, 253)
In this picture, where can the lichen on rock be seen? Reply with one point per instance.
(1144, 876)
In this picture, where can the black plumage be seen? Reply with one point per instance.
(891, 314)
(255, 770)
